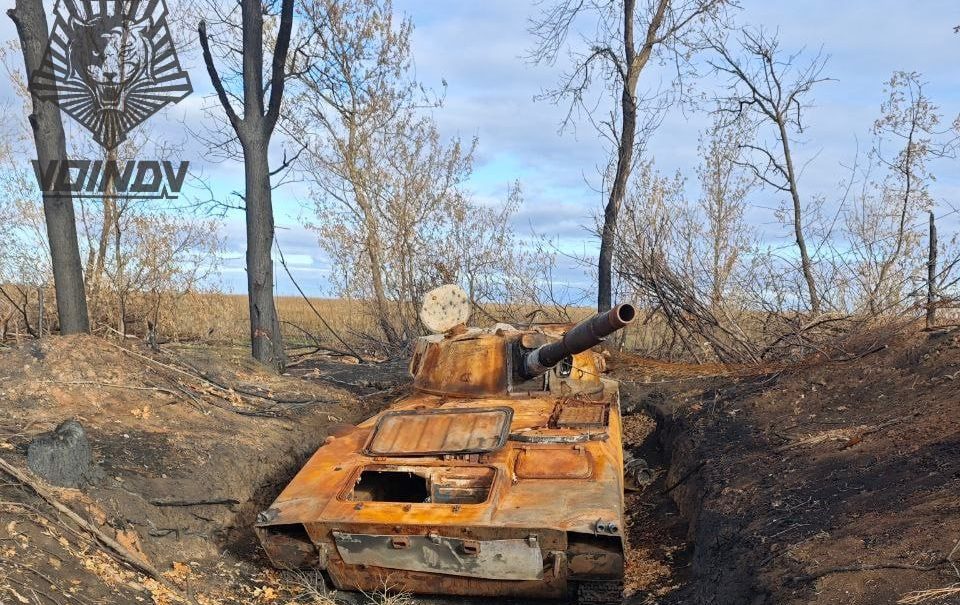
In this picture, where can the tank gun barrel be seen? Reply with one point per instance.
(588, 333)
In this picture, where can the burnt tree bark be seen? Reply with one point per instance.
(64, 457)
(634, 62)
(31, 22)
(254, 131)
(932, 274)
(626, 38)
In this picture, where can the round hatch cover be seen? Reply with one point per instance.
(444, 308)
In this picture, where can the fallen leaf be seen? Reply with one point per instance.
(131, 540)
(141, 413)
(268, 595)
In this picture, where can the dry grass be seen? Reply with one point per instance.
(224, 317)
(312, 590)
(310, 587)
(215, 318)
(928, 596)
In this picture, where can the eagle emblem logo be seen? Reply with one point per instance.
(110, 65)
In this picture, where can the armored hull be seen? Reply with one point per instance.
(484, 481)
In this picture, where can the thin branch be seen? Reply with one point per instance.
(235, 121)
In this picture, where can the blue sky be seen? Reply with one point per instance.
(477, 47)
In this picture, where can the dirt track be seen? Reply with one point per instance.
(832, 483)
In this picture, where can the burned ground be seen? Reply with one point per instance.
(832, 482)
(829, 482)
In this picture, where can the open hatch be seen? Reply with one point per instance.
(422, 484)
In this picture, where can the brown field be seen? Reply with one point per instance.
(217, 318)
(222, 318)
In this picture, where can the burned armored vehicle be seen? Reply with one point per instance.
(500, 475)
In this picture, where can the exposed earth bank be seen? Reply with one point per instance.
(836, 481)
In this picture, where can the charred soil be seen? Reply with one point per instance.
(835, 481)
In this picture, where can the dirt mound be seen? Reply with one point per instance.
(192, 442)
(833, 482)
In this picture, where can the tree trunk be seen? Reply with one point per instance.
(633, 64)
(372, 227)
(805, 264)
(119, 284)
(254, 130)
(265, 337)
(889, 262)
(716, 288)
(95, 271)
(376, 276)
(31, 23)
(932, 275)
(628, 132)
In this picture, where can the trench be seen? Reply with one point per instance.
(658, 505)
(371, 383)
(682, 543)
(239, 538)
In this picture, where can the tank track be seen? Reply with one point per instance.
(604, 592)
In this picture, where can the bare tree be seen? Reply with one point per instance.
(884, 224)
(723, 202)
(137, 252)
(667, 28)
(369, 151)
(662, 247)
(397, 219)
(765, 85)
(31, 23)
(254, 131)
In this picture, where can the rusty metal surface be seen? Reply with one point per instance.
(554, 462)
(290, 550)
(552, 467)
(594, 560)
(466, 365)
(441, 431)
(514, 559)
(576, 414)
(581, 337)
(370, 577)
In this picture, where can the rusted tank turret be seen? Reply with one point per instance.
(500, 475)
